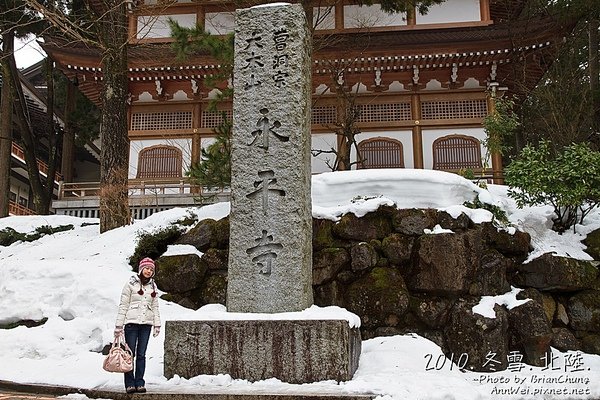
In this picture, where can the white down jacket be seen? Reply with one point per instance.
(138, 308)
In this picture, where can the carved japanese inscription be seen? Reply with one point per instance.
(270, 221)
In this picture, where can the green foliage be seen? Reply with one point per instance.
(467, 173)
(568, 181)
(499, 126)
(154, 244)
(29, 323)
(188, 220)
(214, 169)
(9, 236)
(190, 41)
(84, 120)
(498, 213)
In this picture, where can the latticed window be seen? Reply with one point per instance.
(159, 162)
(160, 121)
(455, 152)
(324, 115)
(455, 109)
(387, 112)
(381, 153)
(212, 119)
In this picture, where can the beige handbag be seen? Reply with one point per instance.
(119, 358)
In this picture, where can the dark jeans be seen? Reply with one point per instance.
(137, 337)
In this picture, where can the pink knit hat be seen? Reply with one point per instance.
(146, 263)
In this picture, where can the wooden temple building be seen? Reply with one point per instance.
(422, 84)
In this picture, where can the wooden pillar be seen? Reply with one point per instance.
(339, 15)
(200, 15)
(196, 141)
(484, 10)
(498, 179)
(132, 28)
(196, 147)
(68, 145)
(411, 16)
(417, 133)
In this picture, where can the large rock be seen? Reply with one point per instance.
(215, 259)
(584, 311)
(490, 278)
(543, 299)
(327, 263)
(374, 225)
(557, 274)
(561, 318)
(323, 237)
(431, 310)
(591, 344)
(531, 330)
(397, 248)
(515, 245)
(445, 264)
(179, 274)
(413, 221)
(298, 351)
(377, 295)
(483, 339)
(592, 241)
(206, 234)
(213, 290)
(363, 256)
(564, 340)
(460, 223)
(329, 294)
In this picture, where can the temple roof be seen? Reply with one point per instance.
(397, 50)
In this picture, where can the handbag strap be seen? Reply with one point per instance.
(119, 341)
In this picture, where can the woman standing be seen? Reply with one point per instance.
(138, 313)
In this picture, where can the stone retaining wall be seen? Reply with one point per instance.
(384, 268)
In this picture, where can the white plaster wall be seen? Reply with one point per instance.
(135, 146)
(150, 27)
(452, 11)
(206, 141)
(220, 23)
(429, 135)
(322, 141)
(356, 16)
(405, 137)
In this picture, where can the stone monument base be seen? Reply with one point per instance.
(294, 351)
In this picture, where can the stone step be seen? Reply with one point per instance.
(212, 394)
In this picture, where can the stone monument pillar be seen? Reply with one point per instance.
(270, 260)
(270, 246)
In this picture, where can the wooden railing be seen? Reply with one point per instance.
(138, 187)
(487, 175)
(17, 151)
(17, 209)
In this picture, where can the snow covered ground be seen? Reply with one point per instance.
(74, 279)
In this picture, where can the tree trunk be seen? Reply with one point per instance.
(53, 136)
(114, 157)
(594, 72)
(6, 113)
(28, 140)
(68, 144)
